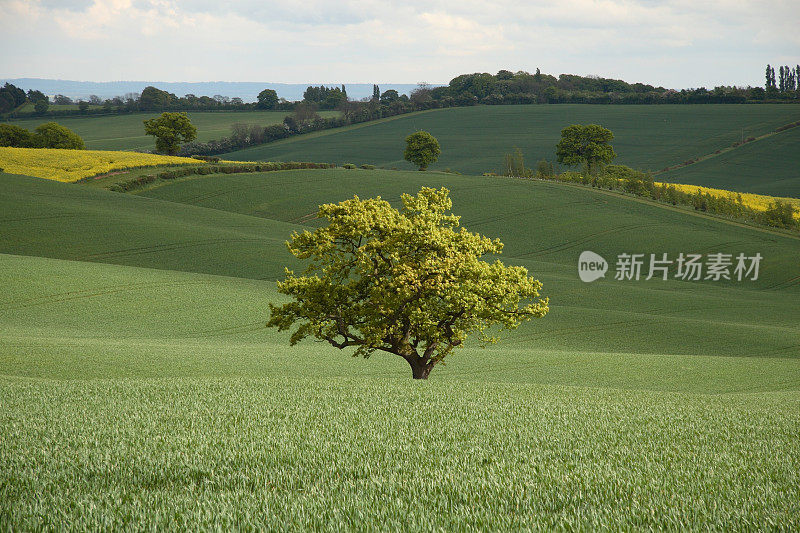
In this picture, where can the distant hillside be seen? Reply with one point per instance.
(474, 140)
(246, 90)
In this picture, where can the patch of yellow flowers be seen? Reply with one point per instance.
(73, 165)
(759, 202)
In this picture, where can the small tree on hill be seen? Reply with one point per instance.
(16, 137)
(267, 99)
(170, 130)
(422, 149)
(54, 135)
(587, 145)
(407, 282)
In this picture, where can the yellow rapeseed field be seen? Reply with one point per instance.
(73, 165)
(759, 202)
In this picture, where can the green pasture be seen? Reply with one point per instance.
(126, 132)
(140, 390)
(768, 166)
(474, 139)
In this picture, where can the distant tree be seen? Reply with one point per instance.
(478, 85)
(305, 113)
(240, 133)
(34, 96)
(390, 96)
(41, 106)
(83, 106)
(768, 82)
(348, 108)
(16, 93)
(504, 75)
(153, 99)
(7, 103)
(544, 169)
(376, 92)
(95, 100)
(588, 145)
(756, 93)
(267, 99)
(60, 99)
(11, 97)
(170, 130)
(290, 124)
(422, 149)
(344, 91)
(514, 164)
(237, 101)
(15, 136)
(780, 214)
(781, 79)
(324, 97)
(421, 94)
(54, 135)
(408, 282)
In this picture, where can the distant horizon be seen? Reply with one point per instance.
(328, 83)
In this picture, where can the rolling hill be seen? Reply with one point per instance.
(770, 164)
(474, 139)
(126, 132)
(138, 383)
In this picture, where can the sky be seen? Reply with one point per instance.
(675, 44)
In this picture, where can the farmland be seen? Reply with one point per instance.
(474, 140)
(73, 165)
(126, 132)
(140, 386)
(768, 166)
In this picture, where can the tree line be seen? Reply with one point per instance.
(788, 80)
(504, 87)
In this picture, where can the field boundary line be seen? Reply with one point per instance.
(720, 152)
(331, 131)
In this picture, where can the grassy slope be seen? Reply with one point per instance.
(232, 429)
(84, 224)
(173, 407)
(474, 139)
(126, 132)
(768, 166)
(545, 227)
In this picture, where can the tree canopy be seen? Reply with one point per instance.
(422, 149)
(54, 135)
(267, 99)
(587, 145)
(170, 130)
(47, 135)
(408, 282)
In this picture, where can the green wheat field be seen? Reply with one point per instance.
(138, 384)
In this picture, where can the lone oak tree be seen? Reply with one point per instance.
(422, 149)
(409, 282)
(170, 129)
(587, 145)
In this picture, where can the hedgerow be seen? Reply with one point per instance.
(204, 170)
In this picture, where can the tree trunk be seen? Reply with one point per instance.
(420, 368)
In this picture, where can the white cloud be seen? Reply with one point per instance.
(676, 43)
